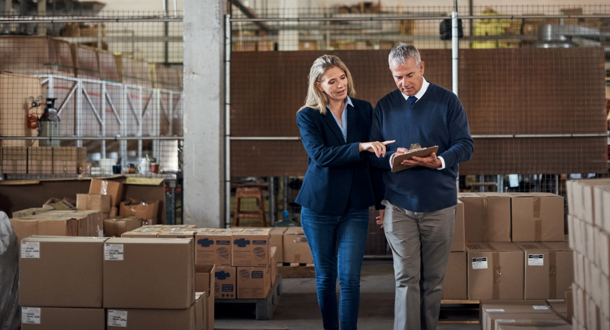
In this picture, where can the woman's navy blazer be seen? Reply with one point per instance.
(338, 176)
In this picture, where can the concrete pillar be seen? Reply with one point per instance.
(204, 112)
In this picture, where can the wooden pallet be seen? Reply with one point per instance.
(264, 307)
(296, 270)
(459, 312)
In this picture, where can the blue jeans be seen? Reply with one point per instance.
(337, 246)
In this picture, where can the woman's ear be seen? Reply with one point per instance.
(319, 86)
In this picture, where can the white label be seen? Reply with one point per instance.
(535, 259)
(506, 321)
(540, 307)
(496, 310)
(30, 250)
(100, 231)
(113, 251)
(479, 263)
(30, 315)
(117, 318)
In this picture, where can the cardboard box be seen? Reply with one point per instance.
(142, 233)
(213, 247)
(486, 217)
(253, 282)
(561, 261)
(14, 159)
(137, 273)
(455, 284)
(115, 227)
(537, 270)
(277, 239)
(40, 160)
(105, 187)
(537, 217)
(153, 319)
(144, 210)
(480, 271)
(177, 234)
(250, 247)
(67, 226)
(51, 318)
(65, 160)
(508, 270)
(296, 248)
(93, 202)
(204, 278)
(458, 243)
(61, 272)
(516, 311)
(200, 298)
(225, 282)
(31, 211)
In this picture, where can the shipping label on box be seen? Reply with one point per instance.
(253, 282)
(250, 248)
(537, 217)
(455, 284)
(225, 282)
(296, 247)
(213, 247)
(129, 285)
(486, 217)
(61, 272)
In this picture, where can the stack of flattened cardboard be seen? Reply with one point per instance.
(515, 247)
(589, 226)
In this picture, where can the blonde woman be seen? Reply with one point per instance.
(337, 190)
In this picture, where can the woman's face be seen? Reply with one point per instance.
(334, 84)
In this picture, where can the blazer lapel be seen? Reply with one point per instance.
(332, 125)
(352, 119)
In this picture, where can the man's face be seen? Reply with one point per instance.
(408, 77)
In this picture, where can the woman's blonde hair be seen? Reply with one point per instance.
(316, 98)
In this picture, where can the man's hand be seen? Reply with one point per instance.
(430, 162)
(379, 218)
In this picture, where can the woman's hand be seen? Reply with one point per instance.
(376, 147)
(379, 218)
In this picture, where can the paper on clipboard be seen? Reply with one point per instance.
(417, 152)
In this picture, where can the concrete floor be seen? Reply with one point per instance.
(298, 306)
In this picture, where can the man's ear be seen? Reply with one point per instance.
(421, 67)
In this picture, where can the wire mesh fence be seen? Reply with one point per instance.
(532, 80)
(98, 92)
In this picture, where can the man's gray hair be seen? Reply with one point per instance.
(401, 53)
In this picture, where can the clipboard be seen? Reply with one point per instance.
(417, 152)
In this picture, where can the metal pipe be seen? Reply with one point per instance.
(227, 121)
(265, 138)
(404, 18)
(454, 50)
(272, 201)
(92, 138)
(60, 19)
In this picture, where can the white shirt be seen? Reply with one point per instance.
(419, 95)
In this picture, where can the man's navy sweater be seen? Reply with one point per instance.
(438, 118)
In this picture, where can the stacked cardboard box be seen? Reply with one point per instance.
(529, 314)
(296, 248)
(60, 223)
(515, 248)
(589, 225)
(61, 283)
(455, 287)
